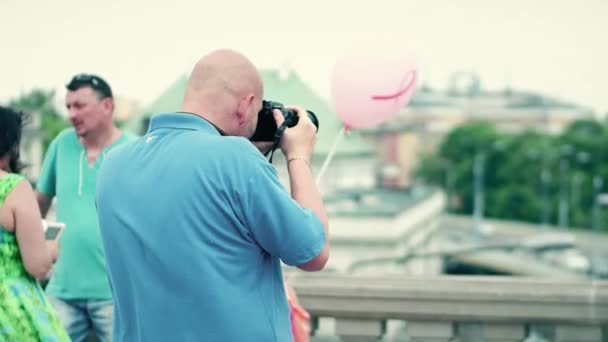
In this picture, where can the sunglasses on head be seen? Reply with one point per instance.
(95, 82)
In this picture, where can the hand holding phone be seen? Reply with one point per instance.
(53, 247)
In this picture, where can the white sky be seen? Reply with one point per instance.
(140, 46)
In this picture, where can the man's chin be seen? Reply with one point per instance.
(81, 132)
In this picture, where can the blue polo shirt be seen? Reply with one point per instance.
(194, 226)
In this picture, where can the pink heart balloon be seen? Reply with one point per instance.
(370, 85)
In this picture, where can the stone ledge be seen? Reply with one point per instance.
(457, 299)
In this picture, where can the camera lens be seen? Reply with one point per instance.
(267, 127)
(293, 118)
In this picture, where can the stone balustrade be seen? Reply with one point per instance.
(453, 308)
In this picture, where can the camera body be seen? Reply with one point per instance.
(266, 128)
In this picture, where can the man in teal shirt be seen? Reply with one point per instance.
(79, 288)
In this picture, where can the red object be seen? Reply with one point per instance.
(299, 317)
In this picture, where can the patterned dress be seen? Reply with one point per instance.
(25, 313)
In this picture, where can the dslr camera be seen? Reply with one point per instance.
(267, 130)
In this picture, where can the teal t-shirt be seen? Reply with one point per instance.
(80, 271)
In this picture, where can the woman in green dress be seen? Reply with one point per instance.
(25, 256)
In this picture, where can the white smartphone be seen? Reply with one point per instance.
(52, 230)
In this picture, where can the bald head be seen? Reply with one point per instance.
(226, 89)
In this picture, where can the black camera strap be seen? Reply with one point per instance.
(219, 130)
(277, 139)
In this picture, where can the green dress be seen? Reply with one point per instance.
(25, 313)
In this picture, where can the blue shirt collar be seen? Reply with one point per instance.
(183, 120)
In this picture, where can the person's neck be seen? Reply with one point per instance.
(101, 138)
(208, 115)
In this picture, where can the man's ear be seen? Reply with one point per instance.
(108, 105)
(243, 109)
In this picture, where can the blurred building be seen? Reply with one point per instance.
(31, 147)
(125, 108)
(436, 112)
(432, 114)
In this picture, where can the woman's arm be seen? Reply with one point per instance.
(35, 253)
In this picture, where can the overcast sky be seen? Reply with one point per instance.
(556, 47)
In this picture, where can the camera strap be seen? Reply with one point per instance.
(277, 139)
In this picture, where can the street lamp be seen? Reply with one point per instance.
(448, 169)
(545, 181)
(478, 182)
(564, 166)
(478, 173)
(598, 183)
(601, 199)
(545, 178)
(582, 158)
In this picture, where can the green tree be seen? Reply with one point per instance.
(41, 102)
(586, 140)
(525, 173)
(456, 155)
(518, 166)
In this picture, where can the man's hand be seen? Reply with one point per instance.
(300, 139)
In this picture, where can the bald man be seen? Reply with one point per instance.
(195, 222)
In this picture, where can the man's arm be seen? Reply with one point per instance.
(305, 192)
(297, 144)
(282, 226)
(292, 226)
(44, 203)
(45, 187)
(37, 259)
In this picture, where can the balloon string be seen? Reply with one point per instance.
(331, 153)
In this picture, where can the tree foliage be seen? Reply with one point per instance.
(524, 174)
(40, 102)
